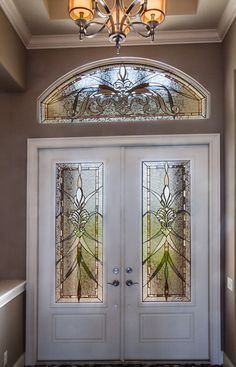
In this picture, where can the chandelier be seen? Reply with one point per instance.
(119, 17)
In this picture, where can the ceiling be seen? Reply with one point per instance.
(46, 24)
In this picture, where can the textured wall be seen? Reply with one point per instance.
(19, 122)
(229, 48)
(12, 330)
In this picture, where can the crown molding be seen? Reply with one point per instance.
(227, 19)
(162, 38)
(16, 20)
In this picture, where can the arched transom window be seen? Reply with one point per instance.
(123, 91)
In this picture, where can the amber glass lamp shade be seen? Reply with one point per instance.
(154, 11)
(81, 9)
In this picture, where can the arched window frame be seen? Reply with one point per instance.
(172, 72)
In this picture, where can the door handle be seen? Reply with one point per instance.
(128, 270)
(129, 283)
(115, 283)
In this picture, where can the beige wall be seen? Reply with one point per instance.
(229, 48)
(19, 122)
(12, 58)
(12, 330)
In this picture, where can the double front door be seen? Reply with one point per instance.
(123, 253)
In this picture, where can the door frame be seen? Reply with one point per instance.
(34, 147)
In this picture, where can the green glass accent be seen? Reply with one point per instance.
(79, 232)
(166, 231)
(123, 92)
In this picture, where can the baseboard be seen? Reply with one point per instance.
(227, 362)
(20, 362)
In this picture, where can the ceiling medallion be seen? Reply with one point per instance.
(119, 17)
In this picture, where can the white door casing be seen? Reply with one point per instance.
(211, 143)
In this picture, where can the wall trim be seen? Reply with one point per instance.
(162, 38)
(227, 19)
(20, 362)
(10, 289)
(34, 147)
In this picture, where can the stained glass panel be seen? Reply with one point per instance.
(123, 92)
(79, 232)
(166, 231)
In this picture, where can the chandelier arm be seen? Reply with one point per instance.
(103, 25)
(147, 35)
(105, 6)
(132, 5)
(125, 16)
(112, 24)
(122, 6)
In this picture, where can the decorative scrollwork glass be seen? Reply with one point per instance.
(123, 92)
(79, 232)
(166, 231)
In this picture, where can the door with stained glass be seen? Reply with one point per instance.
(123, 253)
(79, 246)
(166, 306)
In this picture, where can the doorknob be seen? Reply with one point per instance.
(115, 283)
(115, 270)
(128, 270)
(129, 282)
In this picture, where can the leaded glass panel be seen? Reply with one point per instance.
(79, 232)
(123, 92)
(166, 231)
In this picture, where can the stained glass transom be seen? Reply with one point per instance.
(123, 92)
(79, 232)
(166, 231)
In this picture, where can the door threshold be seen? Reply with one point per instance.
(125, 363)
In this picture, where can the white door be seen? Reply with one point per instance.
(79, 232)
(166, 237)
(136, 216)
